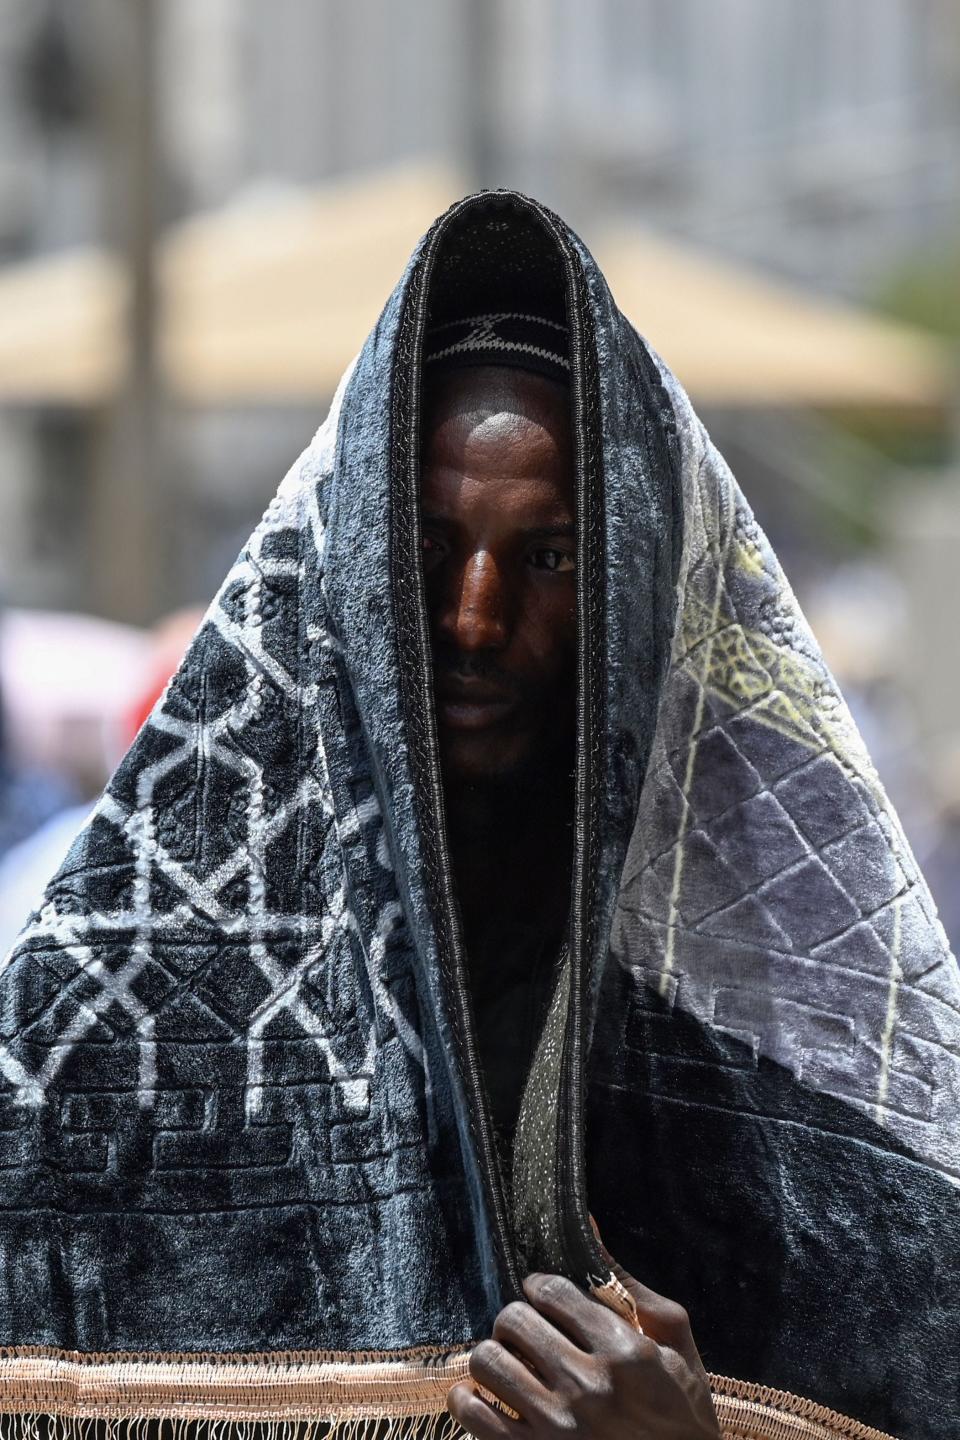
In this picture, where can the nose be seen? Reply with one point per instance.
(473, 610)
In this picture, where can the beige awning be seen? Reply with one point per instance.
(272, 301)
(267, 301)
(61, 329)
(735, 337)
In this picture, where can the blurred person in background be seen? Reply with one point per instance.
(29, 795)
(49, 814)
(28, 798)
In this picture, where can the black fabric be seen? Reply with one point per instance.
(771, 1213)
(510, 995)
(499, 337)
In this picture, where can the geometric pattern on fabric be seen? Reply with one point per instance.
(208, 907)
(768, 888)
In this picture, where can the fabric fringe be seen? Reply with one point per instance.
(742, 1416)
(356, 1409)
(139, 1427)
(335, 1388)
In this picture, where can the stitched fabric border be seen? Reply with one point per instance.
(330, 1386)
(296, 1386)
(747, 1411)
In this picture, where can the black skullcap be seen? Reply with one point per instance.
(501, 337)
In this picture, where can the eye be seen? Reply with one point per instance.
(547, 559)
(432, 549)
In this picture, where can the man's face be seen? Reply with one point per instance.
(499, 558)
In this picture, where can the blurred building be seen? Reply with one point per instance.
(815, 137)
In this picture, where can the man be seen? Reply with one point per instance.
(501, 870)
(497, 513)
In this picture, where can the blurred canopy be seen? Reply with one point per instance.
(269, 301)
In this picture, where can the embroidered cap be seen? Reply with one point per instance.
(501, 337)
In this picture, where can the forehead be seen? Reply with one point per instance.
(491, 422)
(497, 448)
(483, 391)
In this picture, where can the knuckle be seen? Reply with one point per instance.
(630, 1349)
(596, 1385)
(675, 1317)
(552, 1287)
(564, 1420)
(514, 1319)
(485, 1356)
(645, 1349)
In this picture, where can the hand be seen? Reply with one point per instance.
(570, 1367)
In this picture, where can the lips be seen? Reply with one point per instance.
(467, 705)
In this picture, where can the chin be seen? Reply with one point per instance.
(484, 759)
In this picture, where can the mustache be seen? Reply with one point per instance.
(477, 665)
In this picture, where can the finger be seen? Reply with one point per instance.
(510, 1380)
(481, 1419)
(538, 1343)
(581, 1319)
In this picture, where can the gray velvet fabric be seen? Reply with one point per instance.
(768, 887)
(232, 1114)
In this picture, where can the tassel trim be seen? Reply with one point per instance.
(756, 1412)
(80, 1427)
(310, 1395)
(334, 1386)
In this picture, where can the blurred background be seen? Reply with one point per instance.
(204, 203)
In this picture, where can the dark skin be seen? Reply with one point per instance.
(497, 507)
(500, 564)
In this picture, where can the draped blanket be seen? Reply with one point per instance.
(246, 1170)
